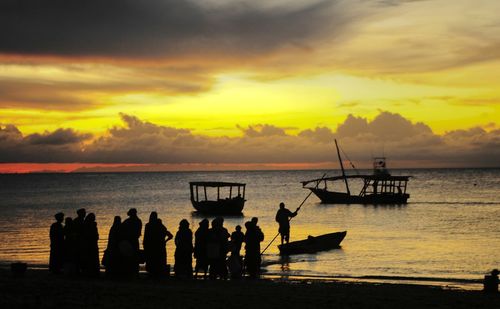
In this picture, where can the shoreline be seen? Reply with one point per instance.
(40, 289)
(447, 283)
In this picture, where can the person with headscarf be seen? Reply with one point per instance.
(91, 248)
(56, 259)
(200, 248)
(78, 224)
(130, 231)
(112, 258)
(217, 248)
(183, 251)
(70, 247)
(253, 238)
(154, 244)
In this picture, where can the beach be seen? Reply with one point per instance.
(40, 289)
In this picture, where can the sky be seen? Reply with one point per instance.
(124, 85)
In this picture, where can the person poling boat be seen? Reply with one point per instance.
(283, 217)
(296, 211)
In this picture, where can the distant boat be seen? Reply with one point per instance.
(313, 244)
(230, 204)
(379, 188)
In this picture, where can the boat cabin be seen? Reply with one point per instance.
(212, 197)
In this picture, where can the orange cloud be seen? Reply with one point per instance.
(145, 143)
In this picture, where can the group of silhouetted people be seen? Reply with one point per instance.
(74, 247)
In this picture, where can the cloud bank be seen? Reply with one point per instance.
(141, 142)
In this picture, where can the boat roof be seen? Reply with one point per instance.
(366, 177)
(216, 184)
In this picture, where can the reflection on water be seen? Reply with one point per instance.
(449, 228)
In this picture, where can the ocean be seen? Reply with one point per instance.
(449, 230)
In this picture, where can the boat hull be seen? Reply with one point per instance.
(313, 244)
(221, 207)
(329, 197)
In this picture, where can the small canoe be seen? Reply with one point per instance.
(313, 244)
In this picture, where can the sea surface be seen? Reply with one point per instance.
(449, 230)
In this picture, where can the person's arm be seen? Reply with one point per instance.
(169, 236)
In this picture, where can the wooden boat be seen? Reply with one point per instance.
(230, 204)
(379, 188)
(313, 244)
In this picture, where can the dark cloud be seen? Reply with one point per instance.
(60, 146)
(142, 142)
(154, 28)
(58, 137)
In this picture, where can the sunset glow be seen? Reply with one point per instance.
(260, 79)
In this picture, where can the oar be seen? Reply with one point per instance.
(297, 210)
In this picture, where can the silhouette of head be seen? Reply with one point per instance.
(132, 212)
(238, 228)
(184, 224)
(204, 223)
(59, 217)
(68, 221)
(117, 220)
(90, 217)
(217, 222)
(495, 272)
(255, 220)
(153, 216)
(282, 205)
(248, 225)
(81, 212)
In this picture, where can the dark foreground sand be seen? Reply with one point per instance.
(39, 289)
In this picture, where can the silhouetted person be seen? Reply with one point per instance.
(491, 282)
(253, 238)
(183, 251)
(237, 238)
(112, 258)
(130, 231)
(283, 217)
(91, 263)
(200, 248)
(154, 245)
(78, 232)
(70, 247)
(217, 249)
(56, 259)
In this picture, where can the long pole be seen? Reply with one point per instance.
(298, 208)
(342, 168)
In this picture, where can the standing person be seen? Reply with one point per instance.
(237, 238)
(70, 247)
(130, 231)
(200, 248)
(183, 251)
(78, 223)
(154, 245)
(235, 262)
(56, 258)
(91, 248)
(253, 238)
(217, 248)
(283, 217)
(112, 259)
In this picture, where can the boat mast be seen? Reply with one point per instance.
(342, 168)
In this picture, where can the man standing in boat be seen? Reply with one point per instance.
(283, 217)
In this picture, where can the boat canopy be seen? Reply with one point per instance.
(238, 193)
(215, 184)
(365, 177)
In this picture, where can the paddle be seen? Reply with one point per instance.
(297, 210)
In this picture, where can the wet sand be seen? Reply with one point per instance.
(39, 289)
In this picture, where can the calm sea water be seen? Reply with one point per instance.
(449, 229)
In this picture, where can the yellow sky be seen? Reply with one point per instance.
(296, 67)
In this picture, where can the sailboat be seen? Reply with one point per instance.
(378, 188)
